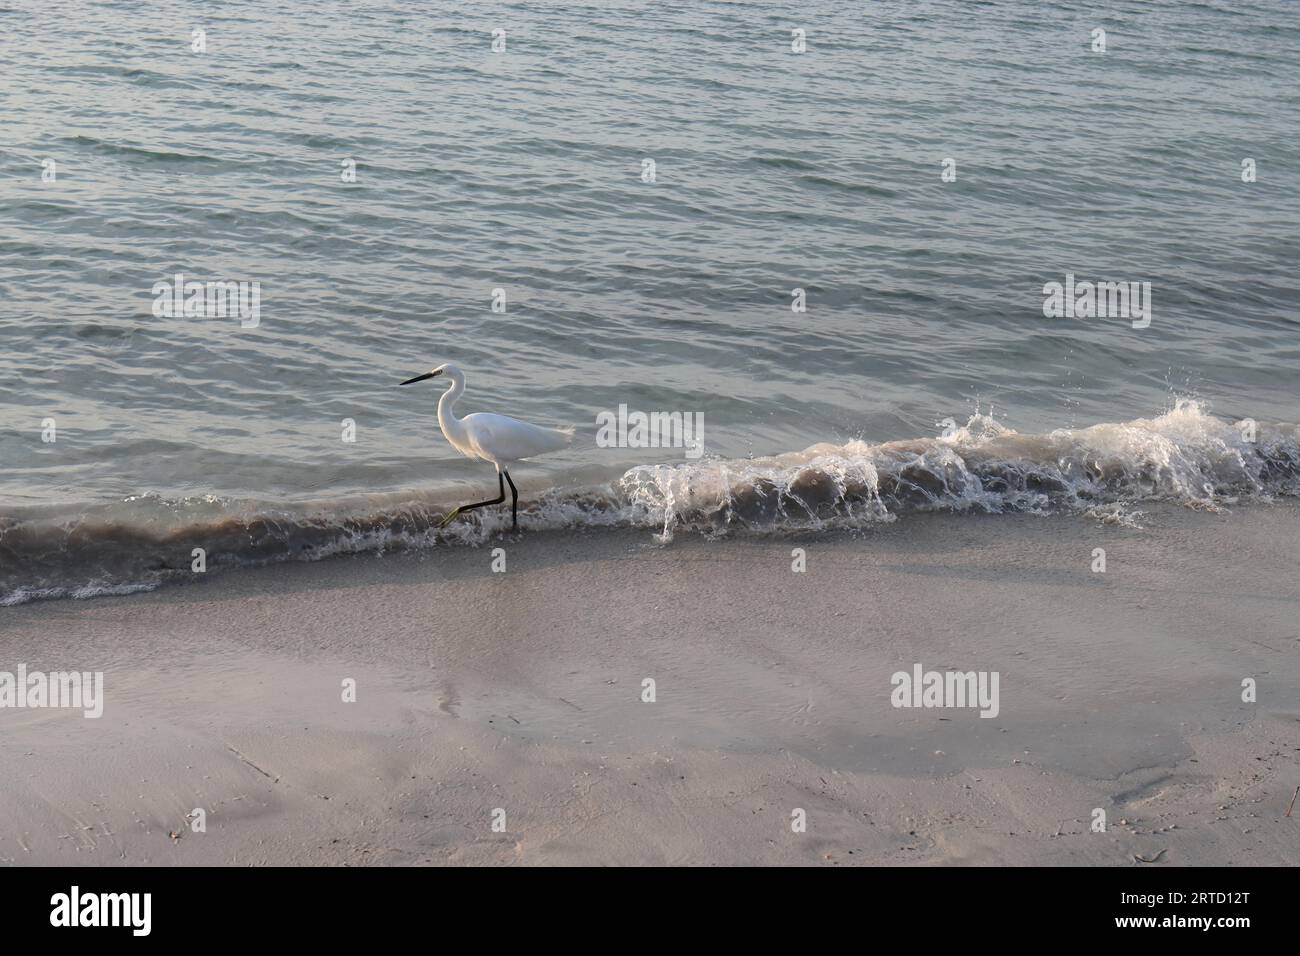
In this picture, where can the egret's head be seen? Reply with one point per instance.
(446, 369)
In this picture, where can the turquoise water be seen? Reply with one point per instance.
(522, 170)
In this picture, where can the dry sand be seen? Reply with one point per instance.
(522, 691)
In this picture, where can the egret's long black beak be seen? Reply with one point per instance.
(418, 378)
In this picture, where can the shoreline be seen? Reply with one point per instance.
(1184, 455)
(522, 691)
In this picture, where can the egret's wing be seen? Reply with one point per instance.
(501, 438)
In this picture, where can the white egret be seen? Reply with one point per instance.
(495, 438)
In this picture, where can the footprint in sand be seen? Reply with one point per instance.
(449, 702)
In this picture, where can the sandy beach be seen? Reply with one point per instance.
(522, 691)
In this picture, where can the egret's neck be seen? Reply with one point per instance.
(452, 426)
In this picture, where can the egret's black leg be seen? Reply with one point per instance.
(514, 502)
(501, 484)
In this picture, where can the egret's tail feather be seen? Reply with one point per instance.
(542, 440)
(556, 438)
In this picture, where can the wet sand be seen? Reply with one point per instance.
(522, 691)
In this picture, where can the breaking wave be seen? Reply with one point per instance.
(1185, 455)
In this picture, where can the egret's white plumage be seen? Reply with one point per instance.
(500, 439)
(496, 438)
